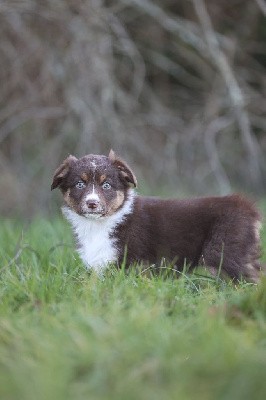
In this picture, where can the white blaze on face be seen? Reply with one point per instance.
(92, 195)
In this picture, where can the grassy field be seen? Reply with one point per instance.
(65, 334)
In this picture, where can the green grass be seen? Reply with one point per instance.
(65, 334)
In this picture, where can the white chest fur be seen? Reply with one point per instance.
(96, 246)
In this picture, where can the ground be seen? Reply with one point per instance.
(65, 334)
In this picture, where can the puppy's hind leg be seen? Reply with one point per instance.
(234, 248)
(218, 261)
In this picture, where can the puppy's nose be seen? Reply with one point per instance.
(92, 204)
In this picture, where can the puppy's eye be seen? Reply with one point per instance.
(80, 185)
(106, 186)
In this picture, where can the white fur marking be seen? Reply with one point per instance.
(92, 196)
(249, 266)
(257, 228)
(97, 248)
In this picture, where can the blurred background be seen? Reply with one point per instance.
(177, 88)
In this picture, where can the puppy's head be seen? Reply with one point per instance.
(94, 186)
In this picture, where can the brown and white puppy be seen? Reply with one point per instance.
(111, 221)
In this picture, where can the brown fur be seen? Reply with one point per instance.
(102, 178)
(117, 202)
(214, 232)
(110, 168)
(68, 199)
(217, 232)
(85, 177)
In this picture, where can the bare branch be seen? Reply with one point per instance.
(209, 139)
(172, 24)
(136, 75)
(262, 5)
(234, 90)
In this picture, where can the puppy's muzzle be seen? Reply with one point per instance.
(92, 204)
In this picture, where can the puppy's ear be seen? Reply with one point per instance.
(62, 171)
(124, 169)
